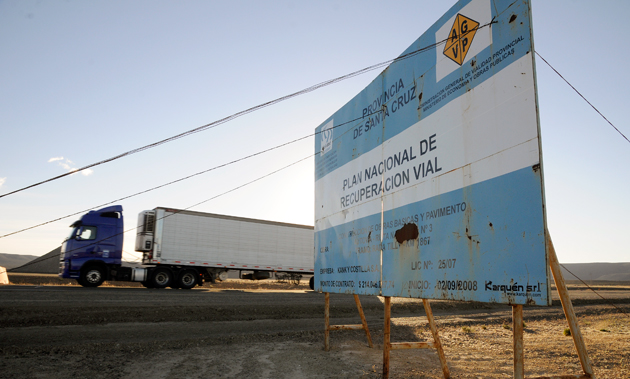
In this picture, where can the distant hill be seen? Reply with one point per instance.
(14, 260)
(597, 271)
(46, 264)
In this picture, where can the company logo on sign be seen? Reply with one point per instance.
(327, 137)
(460, 38)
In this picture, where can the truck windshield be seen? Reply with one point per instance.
(86, 233)
(83, 232)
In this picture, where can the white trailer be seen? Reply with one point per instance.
(185, 246)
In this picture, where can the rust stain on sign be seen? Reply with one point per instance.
(407, 232)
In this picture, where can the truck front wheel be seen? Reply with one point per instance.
(161, 278)
(92, 276)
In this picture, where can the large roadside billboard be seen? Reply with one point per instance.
(436, 189)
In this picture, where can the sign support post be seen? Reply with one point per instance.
(327, 321)
(517, 328)
(386, 337)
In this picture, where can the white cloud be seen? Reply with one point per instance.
(2, 181)
(67, 164)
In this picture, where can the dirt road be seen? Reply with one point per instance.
(118, 332)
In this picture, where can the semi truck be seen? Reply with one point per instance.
(183, 249)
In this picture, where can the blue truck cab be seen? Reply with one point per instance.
(92, 253)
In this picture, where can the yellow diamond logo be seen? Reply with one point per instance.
(460, 38)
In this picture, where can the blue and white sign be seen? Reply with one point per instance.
(437, 190)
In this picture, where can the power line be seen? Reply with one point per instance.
(188, 177)
(582, 96)
(249, 110)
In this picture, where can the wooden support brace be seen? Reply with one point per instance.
(329, 327)
(363, 320)
(346, 327)
(569, 313)
(436, 338)
(388, 346)
(411, 345)
(567, 306)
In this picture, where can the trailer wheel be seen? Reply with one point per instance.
(311, 283)
(161, 278)
(92, 276)
(187, 279)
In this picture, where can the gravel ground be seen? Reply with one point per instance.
(235, 332)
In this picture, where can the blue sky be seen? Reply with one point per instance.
(84, 81)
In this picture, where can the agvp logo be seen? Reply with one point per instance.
(457, 33)
(460, 38)
(327, 137)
